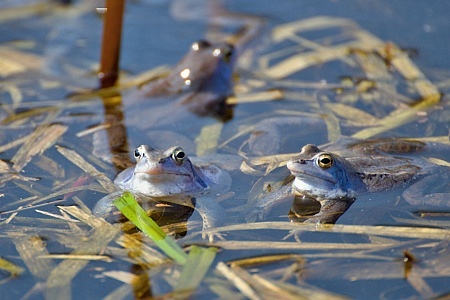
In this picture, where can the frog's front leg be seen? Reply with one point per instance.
(416, 193)
(105, 207)
(265, 204)
(213, 215)
(330, 211)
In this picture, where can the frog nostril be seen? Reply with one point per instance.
(302, 161)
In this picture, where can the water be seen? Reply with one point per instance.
(65, 48)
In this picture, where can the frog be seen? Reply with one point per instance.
(170, 175)
(337, 173)
(201, 82)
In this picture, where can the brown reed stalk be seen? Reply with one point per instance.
(112, 32)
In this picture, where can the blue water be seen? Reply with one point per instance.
(68, 47)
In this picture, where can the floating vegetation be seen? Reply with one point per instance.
(131, 209)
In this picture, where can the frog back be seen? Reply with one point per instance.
(380, 173)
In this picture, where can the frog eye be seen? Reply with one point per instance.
(178, 155)
(202, 44)
(325, 161)
(137, 153)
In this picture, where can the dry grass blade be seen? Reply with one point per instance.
(80, 162)
(59, 280)
(52, 167)
(64, 218)
(438, 161)
(375, 69)
(285, 31)
(262, 291)
(373, 66)
(308, 291)
(14, 92)
(141, 253)
(394, 231)
(332, 122)
(242, 131)
(125, 83)
(14, 61)
(390, 231)
(277, 159)
(331, 269)
(419, 284)
(84, 217)
(122, 292)
(22, 116)
(138, 285)
(33, 201)
(3, 167)
(430, 95)
(259, 260)
(319, 53)
(30, 248)
(125, 277)
(14, 143)
(208, 139)
(263, 245)
(41, 139)
(354, 115)
(282, 290)
(398, 117)
(77, 257)
(237, 281)
(256, 97)
(8, 266)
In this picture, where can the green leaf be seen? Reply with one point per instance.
(134, 212)
(195, 268)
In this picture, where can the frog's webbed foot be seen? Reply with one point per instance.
(415, 194)
(213, 215)
(330, 211)
(293, 233)
(212, 236)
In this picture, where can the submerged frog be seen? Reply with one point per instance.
(166, 175)
(335, 181)
(202, 80)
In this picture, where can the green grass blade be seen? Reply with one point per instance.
(134, 212)
(195, 268)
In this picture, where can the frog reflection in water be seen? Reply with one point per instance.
(162, 175)
(335, 181)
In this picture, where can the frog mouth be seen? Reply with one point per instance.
(308, 175)
(160, 173)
